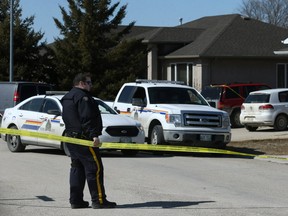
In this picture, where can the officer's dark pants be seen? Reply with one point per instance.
(86, 165)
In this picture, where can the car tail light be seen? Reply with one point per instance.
(266, 107)
(16, 96)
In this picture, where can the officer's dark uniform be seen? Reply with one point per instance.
(82, 119)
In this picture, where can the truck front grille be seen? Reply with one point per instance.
(122, 131)
(199, 119)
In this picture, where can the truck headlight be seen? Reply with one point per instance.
(174, 119)
(225, 121)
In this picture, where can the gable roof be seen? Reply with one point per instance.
(220, 36)
(234, 36)
(172, 35)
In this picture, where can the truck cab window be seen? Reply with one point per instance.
(140, 93)
(126, 94)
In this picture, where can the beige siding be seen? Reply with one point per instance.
(218, 71)
(229, 71)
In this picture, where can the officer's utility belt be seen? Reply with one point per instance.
(77, 135)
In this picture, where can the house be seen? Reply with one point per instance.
(283, 51)
(216, 49)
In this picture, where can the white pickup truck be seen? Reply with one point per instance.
(173, 113)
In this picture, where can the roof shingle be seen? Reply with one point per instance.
(220, 36)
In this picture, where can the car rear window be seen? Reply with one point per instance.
(257, 98)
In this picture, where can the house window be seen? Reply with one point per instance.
(182, 72)
(282, 75)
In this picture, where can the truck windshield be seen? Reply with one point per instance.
(174, 95)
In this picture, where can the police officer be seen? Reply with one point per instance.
(82, 119)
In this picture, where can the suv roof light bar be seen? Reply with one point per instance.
(159, 81)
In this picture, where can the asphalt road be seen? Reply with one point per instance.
(35, 183)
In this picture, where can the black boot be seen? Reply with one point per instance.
(105, 204)
(83, 204)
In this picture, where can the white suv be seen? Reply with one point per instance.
(43, 114)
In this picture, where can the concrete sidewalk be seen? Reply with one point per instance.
(283, 159)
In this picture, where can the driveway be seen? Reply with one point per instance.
(264, 133)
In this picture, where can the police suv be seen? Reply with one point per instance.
(42, 113)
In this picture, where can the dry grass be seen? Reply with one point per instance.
(269, 147)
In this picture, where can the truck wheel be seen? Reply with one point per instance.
(280, 123)
(235, 119)
(157, 137)
(14, 142)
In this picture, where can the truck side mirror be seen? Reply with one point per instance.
(138, 102)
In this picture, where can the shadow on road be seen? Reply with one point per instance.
(229, 152)
(152, 204)
(244, 150)
(148, 154)
(162, 204)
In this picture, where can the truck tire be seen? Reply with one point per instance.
(14, 142)
(157, 136)
(235, 119)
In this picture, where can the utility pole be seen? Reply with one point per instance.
(11, 41)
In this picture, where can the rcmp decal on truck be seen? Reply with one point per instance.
(162, 112)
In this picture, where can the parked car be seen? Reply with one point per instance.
(43, 113)
(12, 93)
(229, 97)
(265, 108)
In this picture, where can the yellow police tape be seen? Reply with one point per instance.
(131, 146)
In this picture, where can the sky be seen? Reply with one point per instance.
(164, 13)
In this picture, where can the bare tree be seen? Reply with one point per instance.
(270, 11)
